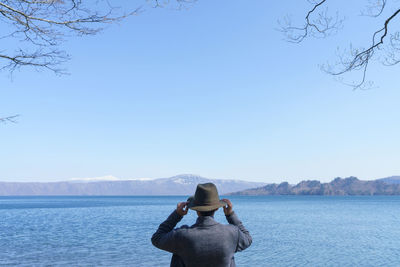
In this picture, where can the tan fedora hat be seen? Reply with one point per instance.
(205, 198)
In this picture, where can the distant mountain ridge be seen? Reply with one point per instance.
(390, 180)
(184, 184)
(339, 186)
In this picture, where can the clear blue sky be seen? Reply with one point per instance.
(213, 90)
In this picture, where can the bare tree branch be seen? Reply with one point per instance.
(39, 27)
(318, 25)
(361, 59)
(11, 119)
(374, 8)
(355, 59)
(180, 3)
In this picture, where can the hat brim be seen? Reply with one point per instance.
(192, 206)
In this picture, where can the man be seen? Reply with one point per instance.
(205, 243)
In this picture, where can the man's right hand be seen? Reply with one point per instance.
(228, 210)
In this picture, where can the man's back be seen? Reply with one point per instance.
(207, 242)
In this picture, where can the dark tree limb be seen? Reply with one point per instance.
(356, 59)
(11, 119)
(39, 59)
(361, 59)
(318, 25)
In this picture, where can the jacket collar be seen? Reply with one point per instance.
(205, 221)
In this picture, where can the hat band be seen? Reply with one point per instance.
(206, 203)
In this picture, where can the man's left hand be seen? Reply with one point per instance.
(182, 208)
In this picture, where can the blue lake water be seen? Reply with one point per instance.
(116, 231)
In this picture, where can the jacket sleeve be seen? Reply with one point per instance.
(165, 237)
(244, 240)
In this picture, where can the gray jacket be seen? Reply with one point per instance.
(205, 243)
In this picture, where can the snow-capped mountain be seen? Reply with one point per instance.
(184, 184)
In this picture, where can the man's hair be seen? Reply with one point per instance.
(207, 213)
